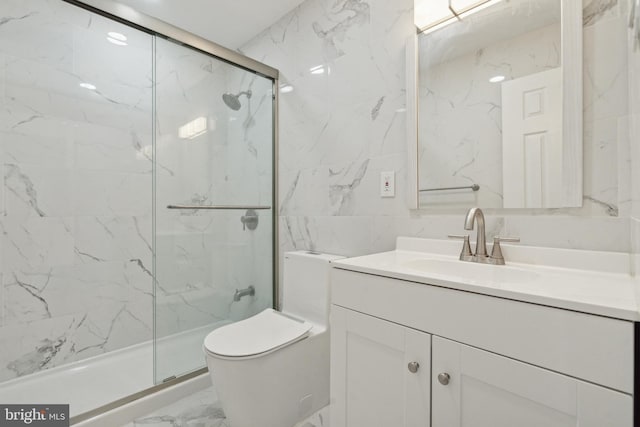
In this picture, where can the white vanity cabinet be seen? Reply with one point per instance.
(483, 361)
(381, 372)
(485, 389)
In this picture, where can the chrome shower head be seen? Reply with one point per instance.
(233, 101)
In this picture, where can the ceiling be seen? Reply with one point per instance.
(230, 23)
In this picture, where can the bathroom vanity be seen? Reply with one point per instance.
(420, 338)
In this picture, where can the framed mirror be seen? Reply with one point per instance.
(497, 105)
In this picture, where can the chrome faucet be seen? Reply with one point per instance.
(475, 216)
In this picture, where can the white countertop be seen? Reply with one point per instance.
(595, 282)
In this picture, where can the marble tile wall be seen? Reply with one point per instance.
(76, 192)
(344, 123)
(634, 151)
(76, 200)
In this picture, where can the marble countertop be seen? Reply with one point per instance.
(585, 281)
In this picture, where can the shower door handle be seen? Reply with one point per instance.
(216, 207)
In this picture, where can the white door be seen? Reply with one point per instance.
(532, 140)
(488, 390)
(373, 383)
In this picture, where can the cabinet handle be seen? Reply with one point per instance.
(413, 367)
(444, 378)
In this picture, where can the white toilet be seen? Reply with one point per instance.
(272, 369)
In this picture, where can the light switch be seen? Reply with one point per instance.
(388, 184)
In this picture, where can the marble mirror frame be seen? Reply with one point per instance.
(572, 76)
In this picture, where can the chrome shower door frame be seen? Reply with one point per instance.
(156, 27)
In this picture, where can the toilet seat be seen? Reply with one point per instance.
(263, 333)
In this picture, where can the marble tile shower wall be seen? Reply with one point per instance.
(76, 195)
(344, 123)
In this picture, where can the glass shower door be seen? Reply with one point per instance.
(213, 173)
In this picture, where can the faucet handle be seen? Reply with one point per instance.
(505, 239)
(466, 254)
(496, 251)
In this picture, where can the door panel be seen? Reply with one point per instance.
(488, 390)
(532, 140)
(371, 384)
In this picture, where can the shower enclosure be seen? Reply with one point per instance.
(137, 201)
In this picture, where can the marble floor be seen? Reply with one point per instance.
(202, 409)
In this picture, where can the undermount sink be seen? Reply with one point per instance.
(471, 271)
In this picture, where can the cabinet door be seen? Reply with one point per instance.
(372, 384)
(488, 390)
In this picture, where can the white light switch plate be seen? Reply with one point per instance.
(388, 184)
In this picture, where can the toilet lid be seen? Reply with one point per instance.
(264, 332)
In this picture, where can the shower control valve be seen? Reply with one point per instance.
(249, 220)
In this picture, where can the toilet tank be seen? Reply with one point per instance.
(305, 287)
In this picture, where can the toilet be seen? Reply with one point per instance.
(272, 369)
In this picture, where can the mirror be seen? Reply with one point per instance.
(498, 105)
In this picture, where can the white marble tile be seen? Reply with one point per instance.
(100, 193)
(54, 149)
(36, 242)
(595, 11)
(34, 191)
(53, 341)
(76, 194)
(201, 408)
(204, 409)
(296, 188)
(577, 232)
(113, 238)
(625, 167)
(601, 143)
(24, 352)
(605, 70)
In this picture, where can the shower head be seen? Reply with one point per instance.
(233, 101)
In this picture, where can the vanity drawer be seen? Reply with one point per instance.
(593, 348)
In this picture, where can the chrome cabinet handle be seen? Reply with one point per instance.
(413, 367)
(444, 378)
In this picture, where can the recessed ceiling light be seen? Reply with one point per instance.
(317, 70)
(194, 128)
(496, 79)
(117, 38)
(88, 86)
(286, 88)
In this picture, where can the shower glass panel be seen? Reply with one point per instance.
(76, 132)
(214, 193)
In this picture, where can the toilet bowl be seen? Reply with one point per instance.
(272, 369)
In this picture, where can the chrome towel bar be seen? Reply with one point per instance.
(223, 207)
(474, 187)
